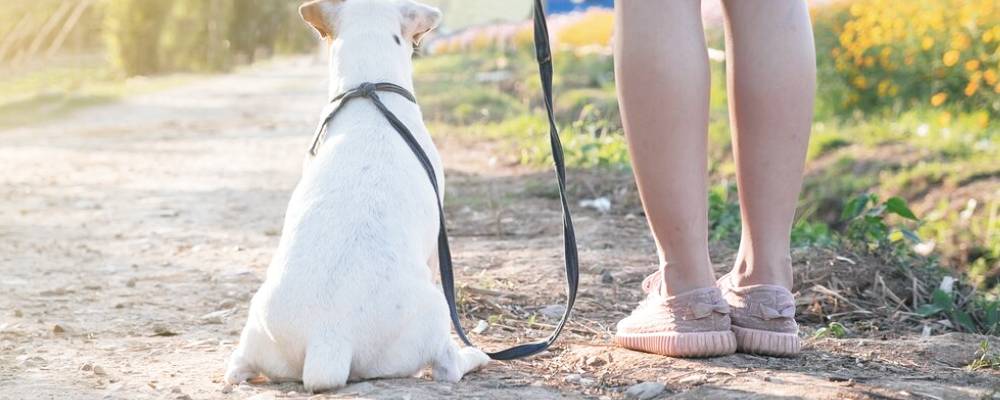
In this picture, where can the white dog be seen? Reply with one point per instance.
(349, 294)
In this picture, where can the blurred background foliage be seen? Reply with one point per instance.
(141, 37)
(59, 55)
(151, 36)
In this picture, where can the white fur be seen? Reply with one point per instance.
(349, 294)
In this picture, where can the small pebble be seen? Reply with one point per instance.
(58, 329)
(644, 390)
(481, 327)
(183, 397)
(99, 370)
(18, 313)
(595, 361)
(87, 367)
(607, 278)
(553, 311)
(572, 378)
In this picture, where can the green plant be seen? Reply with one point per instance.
(723, 213)
(867, 222)
(132, 33)
(985, 360)
(943, 303)
(975, 315)
(833, 329)
(807, 233)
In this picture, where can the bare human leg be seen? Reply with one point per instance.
(771, 64)
(771, 70)
(661, 70)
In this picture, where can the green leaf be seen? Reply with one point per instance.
(964, 319)
(928, 310)
(991, 315)
(838, 330)
(876, 212)
(911, 235)
(941, 299)
(821, 332)
(898, 206)
(854, 207)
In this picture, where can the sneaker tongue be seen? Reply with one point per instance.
(652, 282)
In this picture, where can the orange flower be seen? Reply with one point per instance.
(950, 58)
(990, 76)
(927, 43)
(972, 65)
(938, 99)
(971, 88)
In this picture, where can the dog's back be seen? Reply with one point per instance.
(349, 292)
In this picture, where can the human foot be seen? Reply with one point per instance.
(691, 324)
(763, 318)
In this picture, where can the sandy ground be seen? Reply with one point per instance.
(133, 235)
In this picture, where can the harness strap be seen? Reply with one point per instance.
(366, 89)
(544, 57)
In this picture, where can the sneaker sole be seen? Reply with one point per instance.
(675, 344)
(754, 341)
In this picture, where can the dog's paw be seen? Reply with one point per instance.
(473, 359)
(237, 374)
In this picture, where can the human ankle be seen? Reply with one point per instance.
(678, 278)
(748, 272)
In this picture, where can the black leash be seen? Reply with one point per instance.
(544, 56)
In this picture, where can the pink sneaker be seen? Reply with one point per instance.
(763, 318)
(691, 324)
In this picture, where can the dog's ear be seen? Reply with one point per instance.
(321, 14)
(418, 19)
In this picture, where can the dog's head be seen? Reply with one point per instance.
(397, 22)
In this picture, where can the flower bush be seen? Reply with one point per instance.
(942, 53)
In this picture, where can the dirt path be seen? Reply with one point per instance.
(133, 235)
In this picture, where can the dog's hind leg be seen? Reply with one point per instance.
(454, 362)
(242, 366)
(239, 369)
(327, 364)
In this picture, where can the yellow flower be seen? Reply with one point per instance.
(960, 41)
(996, 89)
(971, 88)
(945, 118)
(927, 43)
(883, 87)
(990, 76)
(857, 10)
(972, 65)
(938, 99)
(860, 82)
(982, 119)
(950, 58)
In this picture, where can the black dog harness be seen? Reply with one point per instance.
(544, 57)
